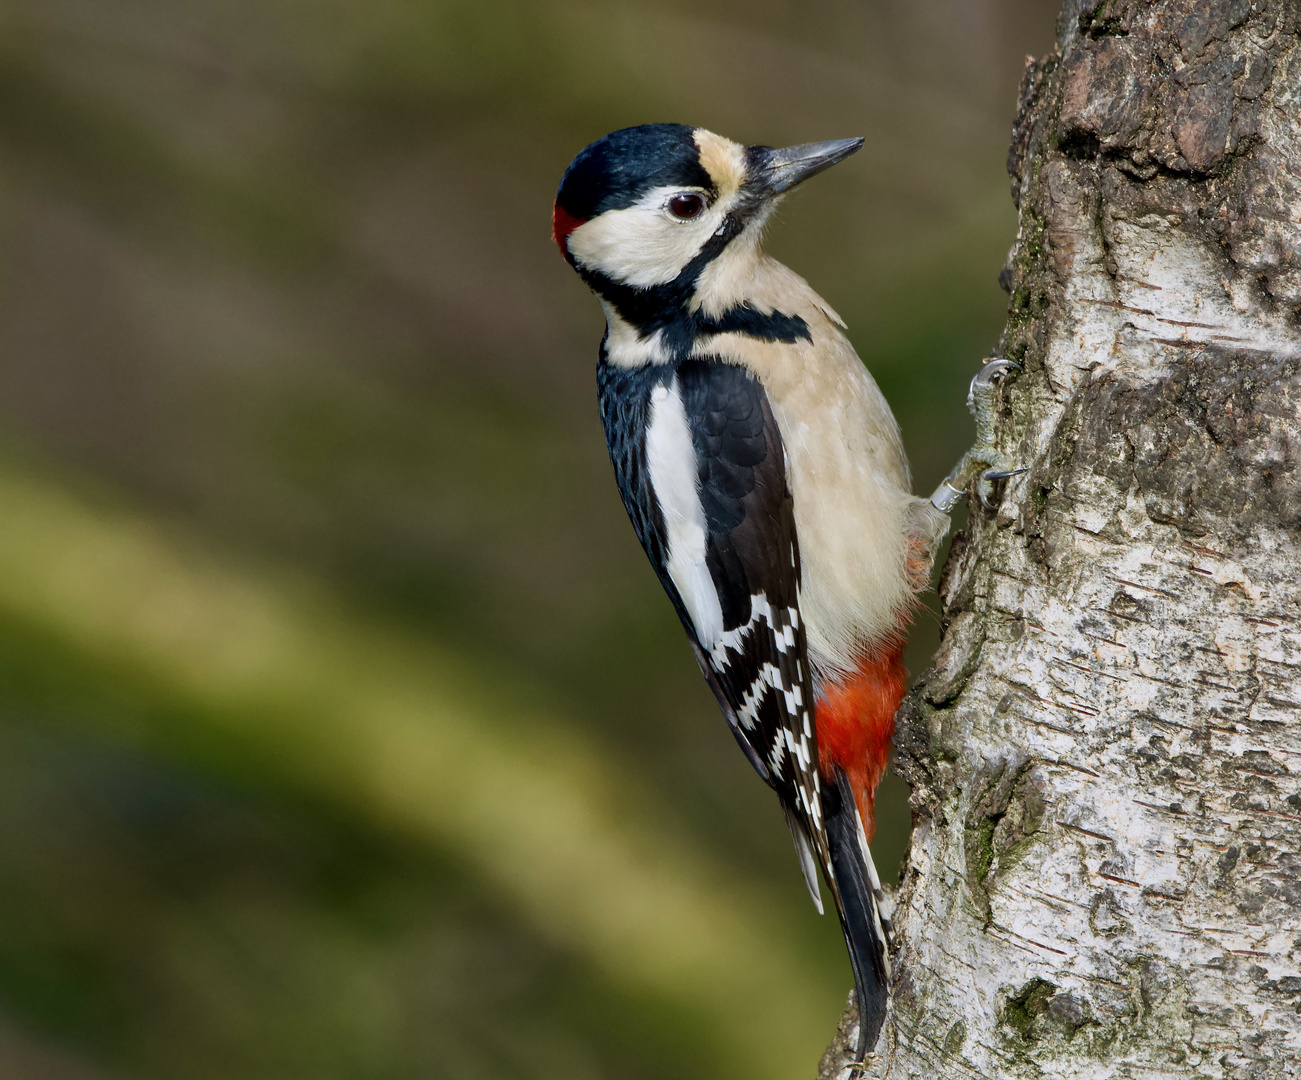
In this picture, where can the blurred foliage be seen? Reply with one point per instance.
(343, 730)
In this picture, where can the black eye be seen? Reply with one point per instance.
(686, 205)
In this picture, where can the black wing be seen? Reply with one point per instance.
(751, 646)
(758, 664)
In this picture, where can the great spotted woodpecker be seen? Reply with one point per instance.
(765, 477)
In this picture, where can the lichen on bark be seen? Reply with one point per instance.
(1105, 871)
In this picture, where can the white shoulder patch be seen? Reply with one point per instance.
(671, 462)
(624, 345)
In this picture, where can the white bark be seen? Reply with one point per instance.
(1105, 873)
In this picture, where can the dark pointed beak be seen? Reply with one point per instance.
(774, 171)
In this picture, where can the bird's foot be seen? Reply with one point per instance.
(858, 1068)
(984, 462)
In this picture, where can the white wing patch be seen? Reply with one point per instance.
(671, 462)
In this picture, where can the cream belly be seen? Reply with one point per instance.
(857, 521)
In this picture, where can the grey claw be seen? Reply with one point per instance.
(981, 400)
(985, 489)
(992, 373)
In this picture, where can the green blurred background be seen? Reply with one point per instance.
(344, 732)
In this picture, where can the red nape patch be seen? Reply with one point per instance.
(855, 719)
(562, 224)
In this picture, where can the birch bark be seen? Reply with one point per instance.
(1105, 871)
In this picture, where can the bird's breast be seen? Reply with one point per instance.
(856, 518)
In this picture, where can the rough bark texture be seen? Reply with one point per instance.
(1105, 873)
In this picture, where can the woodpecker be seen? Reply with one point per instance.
(765, 477)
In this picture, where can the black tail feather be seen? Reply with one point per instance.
(860, 917)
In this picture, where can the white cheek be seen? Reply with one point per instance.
(642, 245)
(638, 246)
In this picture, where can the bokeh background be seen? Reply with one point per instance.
(344, 732)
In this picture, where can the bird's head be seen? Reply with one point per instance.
(645, 212)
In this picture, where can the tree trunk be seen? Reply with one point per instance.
(1105, 760)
